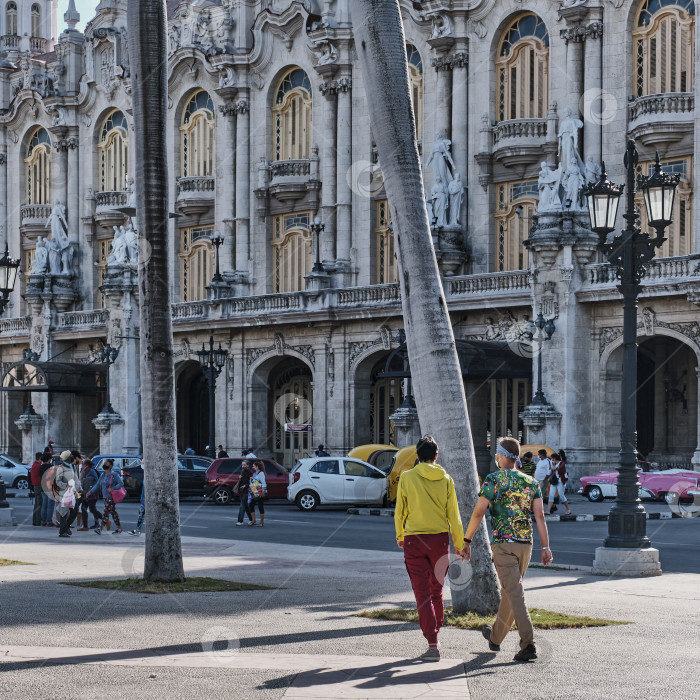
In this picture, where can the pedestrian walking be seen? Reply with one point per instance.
(527, 465)
(557, 483)
(88, 478)
(49, 447)
(37, 492)
(242, 488)
(48, 501)
(250, 454)
(426, 514)
(141, 520)
(111, 486)
(257, 490)
(511, 496)
(66, 488)
(221, 453)
(190, 451)
(542, 471)
(321, 452)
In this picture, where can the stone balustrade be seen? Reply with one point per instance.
(76, 320)
(189, 310)
(196, 184)
(33, 214)
(363, 296)
(668, 103)
(9, 42)
(291, 168)
(491, 283)
(659, 270)
(16, 326)
(38, 45)
(519, 128)
(265, 304)
(111, 199)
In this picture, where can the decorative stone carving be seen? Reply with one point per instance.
(59, 241)
(648, 320)
(118, 255)
(548, 186)
(690, 330)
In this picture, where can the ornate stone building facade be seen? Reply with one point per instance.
(269, 132)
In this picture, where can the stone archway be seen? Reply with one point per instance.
(192, 404)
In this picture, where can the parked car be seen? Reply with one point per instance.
(380, 456)
(129, 467)
(671, 485)
(14, 473)
(403, 460)
(332, 480)
(223, 474)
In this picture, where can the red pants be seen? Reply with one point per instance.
(427, 559)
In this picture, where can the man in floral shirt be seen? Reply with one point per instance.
(512, 496)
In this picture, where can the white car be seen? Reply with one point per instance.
(333, 480)
(14, 473)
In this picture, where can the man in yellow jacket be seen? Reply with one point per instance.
(426, 513)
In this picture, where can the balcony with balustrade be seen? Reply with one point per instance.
(659, 120)
(195, 195)
(10, 42)
(38, 45)
(519, 141)
(281, 183)
(107, 205)
(33, 218)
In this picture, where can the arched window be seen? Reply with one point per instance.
(665, 47)
(197, 137)
(679, 235)
(523, 70)
(37, 163)
(291, 248)
(292, 116)
(36, 21)
(415, 74)
(196, 262)
(11, 18)
(386, 258)
(517, 204)
(113, 152)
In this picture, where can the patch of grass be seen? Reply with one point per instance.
(14, 562)
(193, 584)
(541, 619)
(551, 567)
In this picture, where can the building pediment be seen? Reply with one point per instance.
(268, 25)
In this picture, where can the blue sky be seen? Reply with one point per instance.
(85, 7)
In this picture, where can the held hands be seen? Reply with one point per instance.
(400, 544)
(546, 557)
(464, 553)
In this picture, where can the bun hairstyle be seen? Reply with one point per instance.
(562, 455)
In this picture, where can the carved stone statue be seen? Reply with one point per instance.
(439, 195)
(54, 257)
(429, 206)
(40, 265)
(440, 157)
(593, 170)
(58, 224)
(456, 192)
(131, 243)
(118, 255)
(548, 185)
(131, 200)
(568, 141)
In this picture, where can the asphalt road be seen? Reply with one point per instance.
(572, 543)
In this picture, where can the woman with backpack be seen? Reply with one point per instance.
(258, 490)
(111, 486)
(89, 477)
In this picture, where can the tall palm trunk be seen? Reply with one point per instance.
(148, 59)
(435, 370)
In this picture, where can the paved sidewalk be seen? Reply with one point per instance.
(304, 641)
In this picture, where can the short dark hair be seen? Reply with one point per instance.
(555, 455)
(75, 454)
(46, 457)
(427, 448)
(510, 444)
(87, 462)
(38, 455)
(527, 455)
(542, 452)
(108, 463)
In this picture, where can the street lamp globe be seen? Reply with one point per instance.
(8, 277)
(603, 198)
(659, 191)
(203, 356)
(220, 355)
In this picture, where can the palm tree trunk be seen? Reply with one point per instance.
(436, 374)
(148, 59)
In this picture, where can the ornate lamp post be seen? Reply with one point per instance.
(107, 355)
(544, 329)
(318, 227)
(30, 356)
(629, 251)
(217, 239)
(8, 277)
(212, 362)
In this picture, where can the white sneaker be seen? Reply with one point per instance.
(136, 533)
(432, 654)
(239, 524)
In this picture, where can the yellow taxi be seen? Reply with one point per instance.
(404, 459)
(380, 456)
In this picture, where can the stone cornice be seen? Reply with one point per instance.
(459, 59)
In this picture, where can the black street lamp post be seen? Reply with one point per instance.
(217, 239)
(212, 362)
(107, 355)
(629, 251)
(544, 328)
(318, 227)
(30, 356)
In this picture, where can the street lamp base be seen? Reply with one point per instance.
(630, 563)
(6, 517)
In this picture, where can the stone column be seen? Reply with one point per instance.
(344, 163)
(73, 190)
(460, 125)
(3, 199)
(59, 169)
(329, 186)
(225, 184)
(592, 87)
(443, 68)
(243, 187)
(574, 37)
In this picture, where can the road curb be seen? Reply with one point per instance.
(573, 518)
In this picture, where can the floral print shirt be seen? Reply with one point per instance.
(511, 494)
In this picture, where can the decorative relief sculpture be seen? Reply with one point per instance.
(60, 251)
(447, 194)
(40, 265)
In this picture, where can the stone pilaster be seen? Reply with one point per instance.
(343, 166)
(225, 181)
(593, 107)
(243, 186)
(329, 164)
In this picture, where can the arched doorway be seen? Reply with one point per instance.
(290, 400)
(192, 403)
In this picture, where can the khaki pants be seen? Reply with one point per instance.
(511, 560)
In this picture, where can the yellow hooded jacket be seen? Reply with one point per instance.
(426, 504)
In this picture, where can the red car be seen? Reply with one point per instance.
(671, 485)
(224, 473)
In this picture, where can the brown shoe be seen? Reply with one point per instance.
(109, 525)
(83, 529)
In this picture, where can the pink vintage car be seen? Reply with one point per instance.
(671, 485)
